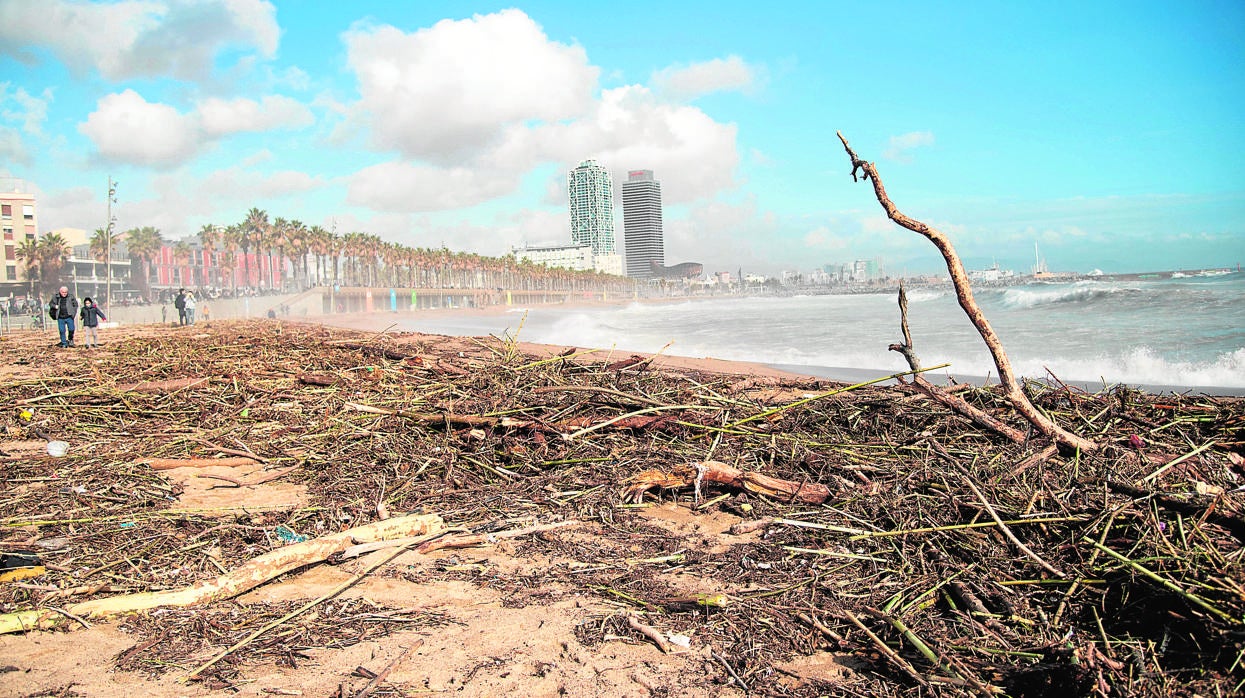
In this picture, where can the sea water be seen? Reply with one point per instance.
(1181, 332)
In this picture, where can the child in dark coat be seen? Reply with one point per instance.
(91, 315)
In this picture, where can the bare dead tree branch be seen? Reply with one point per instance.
(955, 403)
(959, 278)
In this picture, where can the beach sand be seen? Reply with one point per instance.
(496, 436)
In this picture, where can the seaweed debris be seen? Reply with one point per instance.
(945, 559)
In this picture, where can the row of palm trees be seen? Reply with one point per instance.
(364, 259)
(350, 259)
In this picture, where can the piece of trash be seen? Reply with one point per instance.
(52, 543)
(681, 640)
(288, 536)
(15, 566)
(56, 449)
(26, 415)
(1206, 489)
(1135, 441)
(127, 524)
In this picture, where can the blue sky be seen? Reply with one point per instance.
(1111, 134)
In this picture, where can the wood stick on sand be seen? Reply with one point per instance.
(250, 575)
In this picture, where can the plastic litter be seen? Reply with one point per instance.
(56, 449)
(287, 536)
(20, 565)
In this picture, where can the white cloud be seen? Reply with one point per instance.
(449, 91)
(822, 238)
(697, 79)
(222, 117)
(900, 147)
(76, 207)
(407, 188)
(692, 155)
(25, 108)
(140, 38)
(238, 184)
(127, 128)
(12, 149)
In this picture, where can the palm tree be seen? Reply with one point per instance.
(209, 237)
(53, 255)
(254, 230)
(144, 244)
(275, 239)
(182, 252)
(100, 246)
(298, 238)
(231, 240)
(28, 251)
(321, 244)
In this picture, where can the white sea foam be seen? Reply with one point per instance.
(1034, 296)
(1143, 366)
(926, 295)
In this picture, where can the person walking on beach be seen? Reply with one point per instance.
(91, 315)
(180, 304)
(63, 308)
(190, 308)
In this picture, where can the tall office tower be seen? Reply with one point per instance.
(591, 194)
(642, 233)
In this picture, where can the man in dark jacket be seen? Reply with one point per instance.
(180, 304)
(63, 309)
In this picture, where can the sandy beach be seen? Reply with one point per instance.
(564, 521)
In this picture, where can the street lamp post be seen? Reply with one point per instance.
(112, 198)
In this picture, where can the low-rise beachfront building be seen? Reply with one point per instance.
(608, 264)
(574, 257)
(20, 222)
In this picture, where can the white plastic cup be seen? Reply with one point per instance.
(56, 449)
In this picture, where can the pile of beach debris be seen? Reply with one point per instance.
(867, 523)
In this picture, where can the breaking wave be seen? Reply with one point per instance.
(1082, 292)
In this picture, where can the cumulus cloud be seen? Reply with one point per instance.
(406, 187)
(718, 75)
(140, 38)
(693, 156)
(449, 91)
(222, 117)
(127, 128)
(901, 147)
(472, 106)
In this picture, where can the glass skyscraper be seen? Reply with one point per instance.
(591, 195)
(642, 232)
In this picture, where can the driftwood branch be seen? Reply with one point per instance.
(955, 403)
(723, 474)
(963, 292)
(239, 581)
